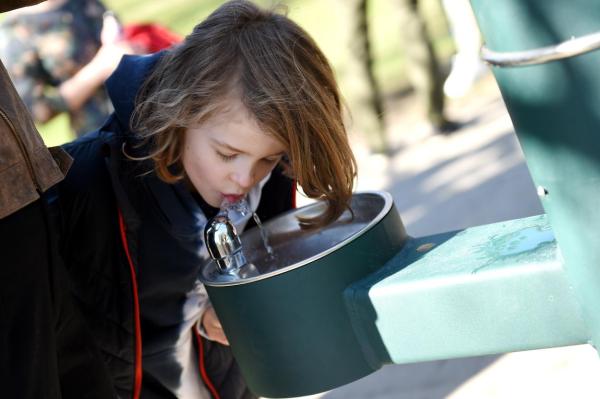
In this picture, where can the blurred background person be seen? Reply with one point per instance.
(467, 66)
(360, 45)
(422, 66)
(58, 56)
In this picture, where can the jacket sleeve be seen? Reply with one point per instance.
(9, 5)
(204, 304)
(92, 250)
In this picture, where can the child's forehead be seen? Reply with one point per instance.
(228, 117)
(230, 108)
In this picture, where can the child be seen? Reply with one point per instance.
(245, 106)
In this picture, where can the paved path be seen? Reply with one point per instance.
(439, 183)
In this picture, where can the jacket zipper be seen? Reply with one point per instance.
(22, 148)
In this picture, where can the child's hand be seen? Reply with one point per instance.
(212, 326)
(113, 47)
(111, 28)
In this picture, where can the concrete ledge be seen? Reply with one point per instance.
(484, 290)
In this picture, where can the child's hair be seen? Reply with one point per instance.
(284, 80)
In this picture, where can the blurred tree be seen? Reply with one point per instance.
(361, 48)
(422, 67)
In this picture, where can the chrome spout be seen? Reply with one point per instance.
(224, 244)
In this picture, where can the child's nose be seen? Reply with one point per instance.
(244, 178)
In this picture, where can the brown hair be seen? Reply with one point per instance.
(284, 80)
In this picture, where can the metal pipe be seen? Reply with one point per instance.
(566, 49)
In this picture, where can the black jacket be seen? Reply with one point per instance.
(100, 199)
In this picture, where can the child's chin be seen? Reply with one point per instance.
(215, 202)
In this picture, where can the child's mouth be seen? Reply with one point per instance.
(232, 198)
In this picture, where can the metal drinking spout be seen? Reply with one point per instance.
(224, 245)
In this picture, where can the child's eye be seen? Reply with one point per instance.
(226, 157)
(272, 160)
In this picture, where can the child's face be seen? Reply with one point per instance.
(228, 154)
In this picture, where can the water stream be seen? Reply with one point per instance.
(264, 235)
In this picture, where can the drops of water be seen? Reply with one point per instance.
(243, 208)
(240, 206)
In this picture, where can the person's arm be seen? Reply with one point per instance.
(45, 101)
(26, 62)
(81, 86)
(209, 325)
(88, 79)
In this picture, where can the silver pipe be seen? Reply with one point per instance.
(566, 49)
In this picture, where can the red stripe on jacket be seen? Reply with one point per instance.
(137, 387)
(202, 367)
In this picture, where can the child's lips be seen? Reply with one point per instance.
(232, 198)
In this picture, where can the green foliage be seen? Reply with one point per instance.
(57, 131)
